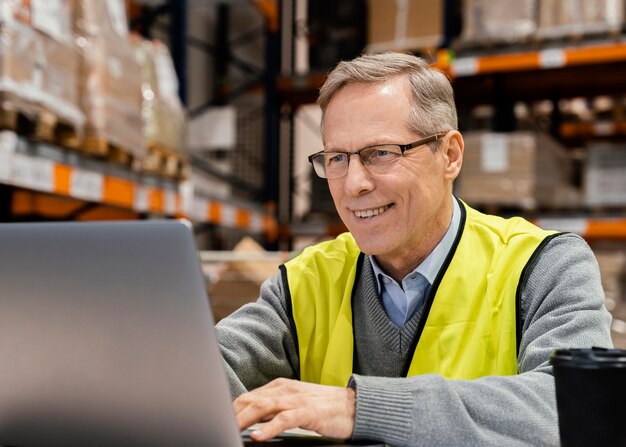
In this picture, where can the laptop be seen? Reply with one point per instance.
(107, 338)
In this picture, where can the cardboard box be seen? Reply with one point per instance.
(519, 169)
(39, 60)
(563, 18)
(605, 175)
(164, 116)
(404, 25)
(19, 66)
(612, 261)
(557, 18)
(502, 21)
(110, 87)
(240, 281)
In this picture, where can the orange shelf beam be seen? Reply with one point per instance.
(532, 60)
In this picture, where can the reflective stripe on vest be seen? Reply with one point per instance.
(470, 314)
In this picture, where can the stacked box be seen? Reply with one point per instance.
(111, 80)
(407, 25)
(503, 21)
(520, 169)
(39, 60)
(164, 116)
(558, 18)
(605, 175)
(612, 261)
(20, 70)
(239, 282)
(563, 18)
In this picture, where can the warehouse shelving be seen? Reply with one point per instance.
(596, 129)
(539, 71)
(68, 184)
(45, 168)
(230, 78)
(523, 75)
(592, 228)
(597, 228)
(547, 58)
(554, 71)
(581, 69)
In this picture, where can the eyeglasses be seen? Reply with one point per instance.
(378, 158)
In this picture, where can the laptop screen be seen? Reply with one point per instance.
(106, 338)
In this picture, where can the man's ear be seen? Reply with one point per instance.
(452, 148)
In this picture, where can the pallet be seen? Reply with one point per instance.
(38, 124)
(100, 147)
(164, 162)
(572, 36)
(493, 45)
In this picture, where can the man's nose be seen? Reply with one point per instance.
(358, 178)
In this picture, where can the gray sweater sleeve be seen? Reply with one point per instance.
(257, 341)
(562, 307)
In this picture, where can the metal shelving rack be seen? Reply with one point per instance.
(43, 170)
(585, 68)
(552, 72)
(225, 90)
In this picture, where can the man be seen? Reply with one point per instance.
(428, 323)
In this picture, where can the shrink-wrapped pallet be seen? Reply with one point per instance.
(110, 79)
(503, 21)
(163, 113)
(569, 18)
(39, 64)
(521, 169)
(605, 175)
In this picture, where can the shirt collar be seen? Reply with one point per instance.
(430, 266)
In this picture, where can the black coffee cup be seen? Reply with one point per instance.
(591, 396)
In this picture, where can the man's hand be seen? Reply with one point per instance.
(285, 404)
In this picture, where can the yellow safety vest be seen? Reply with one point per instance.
(470, 327)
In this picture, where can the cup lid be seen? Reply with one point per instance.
(589, 358)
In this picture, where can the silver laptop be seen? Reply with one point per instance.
(107, 339)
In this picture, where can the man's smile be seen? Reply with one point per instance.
(372, 211)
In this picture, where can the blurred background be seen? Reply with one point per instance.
(205, 110)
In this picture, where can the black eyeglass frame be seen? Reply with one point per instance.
(403, 148)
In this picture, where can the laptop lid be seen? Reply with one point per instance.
(106, 338)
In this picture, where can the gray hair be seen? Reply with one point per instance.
(433, 99)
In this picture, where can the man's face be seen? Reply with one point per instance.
(406, 211)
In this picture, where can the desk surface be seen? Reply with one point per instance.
(302, 438)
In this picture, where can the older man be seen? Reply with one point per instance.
(429, 323)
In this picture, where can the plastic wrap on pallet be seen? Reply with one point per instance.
(605, 174)
(521, 169)
(40, 62)
(558, 18)
(602, 16)
(170, 113)
(164, 116)
(502, 21)
(20, 73)
(110, 76)
(567, 18)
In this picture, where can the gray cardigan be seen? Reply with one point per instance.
(562, 306)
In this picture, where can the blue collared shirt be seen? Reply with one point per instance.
(401, 301)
